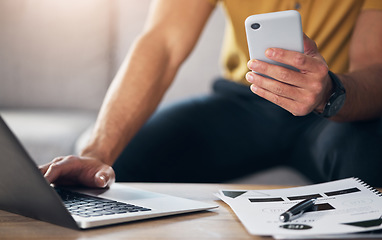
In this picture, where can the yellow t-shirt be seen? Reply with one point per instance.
(328, 22)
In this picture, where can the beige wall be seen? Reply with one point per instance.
(52, 51)
(64, 53)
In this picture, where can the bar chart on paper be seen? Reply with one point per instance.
(341, 207)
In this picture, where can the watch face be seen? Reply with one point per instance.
(336, 105)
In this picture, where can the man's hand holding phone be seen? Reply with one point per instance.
(298, 92)
(287, 68)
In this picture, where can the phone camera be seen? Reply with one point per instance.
(255, 26)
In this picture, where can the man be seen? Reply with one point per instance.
(235, 131)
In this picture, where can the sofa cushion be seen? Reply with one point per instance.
(47, 134)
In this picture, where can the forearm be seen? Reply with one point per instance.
(363, 82)
(146, 73)
(363, 94)
(132, 97)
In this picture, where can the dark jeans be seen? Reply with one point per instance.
(232, 132)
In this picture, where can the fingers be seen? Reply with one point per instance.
(309, 61)
(73, 170)
(276, 99)
(289, 97)
(277, 72)
(274, 86)
(304, 62)
(45, 167)
(298, 93)
(59, 167)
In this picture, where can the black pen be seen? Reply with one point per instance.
(297, 210)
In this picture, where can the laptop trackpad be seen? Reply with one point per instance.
(119, 193)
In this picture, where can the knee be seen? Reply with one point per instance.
(353, 157)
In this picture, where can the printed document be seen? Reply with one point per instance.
(343, 206)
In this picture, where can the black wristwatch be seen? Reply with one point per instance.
(336, 100)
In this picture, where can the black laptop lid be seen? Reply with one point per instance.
(23, 189)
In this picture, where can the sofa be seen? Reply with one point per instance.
(57, 59)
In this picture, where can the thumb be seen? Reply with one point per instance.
(103, 179)
(310, 47)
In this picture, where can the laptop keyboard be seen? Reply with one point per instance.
(88, 206)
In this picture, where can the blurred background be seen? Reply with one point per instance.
(58, 57)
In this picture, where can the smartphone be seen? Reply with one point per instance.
(277, 30)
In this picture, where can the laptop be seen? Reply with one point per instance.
(24, 191)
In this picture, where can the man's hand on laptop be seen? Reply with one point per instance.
(74, 170)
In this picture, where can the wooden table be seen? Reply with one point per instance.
(220, 223)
